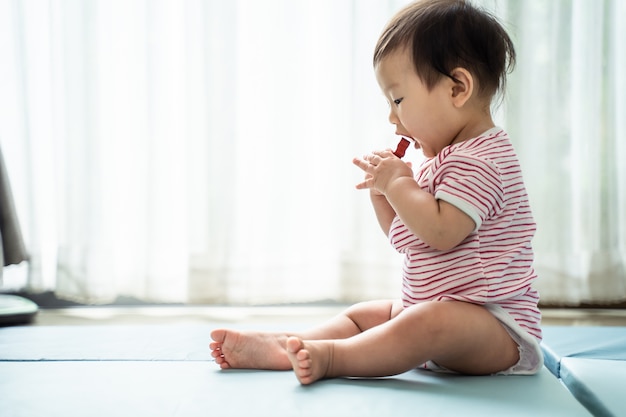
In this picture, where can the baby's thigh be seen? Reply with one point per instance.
(468, 338)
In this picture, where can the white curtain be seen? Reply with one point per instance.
(566, 109)
(200, 151)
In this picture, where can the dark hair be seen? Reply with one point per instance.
(446, 34)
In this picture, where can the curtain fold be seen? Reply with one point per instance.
(200, 151)
(12, 249)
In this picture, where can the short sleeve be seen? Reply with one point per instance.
(471, 184)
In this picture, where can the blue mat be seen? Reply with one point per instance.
(94, 343)
(591, 362)
(591, 342)
(190, 389)
(165, 371)
(600, 385)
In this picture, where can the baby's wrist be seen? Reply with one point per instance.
(398, 185)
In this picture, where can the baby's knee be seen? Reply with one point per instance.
(436, 318)
(431, 316)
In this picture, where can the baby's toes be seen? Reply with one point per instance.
(303, 356)
(222, 362)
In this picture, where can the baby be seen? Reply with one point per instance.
(462, 220)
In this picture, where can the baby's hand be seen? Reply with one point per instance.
(373, 191)
(381, 168)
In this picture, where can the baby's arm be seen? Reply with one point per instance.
(436, 222)
(384, 212)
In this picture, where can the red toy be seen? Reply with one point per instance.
(402, 146)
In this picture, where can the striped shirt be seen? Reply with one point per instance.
(493, 265)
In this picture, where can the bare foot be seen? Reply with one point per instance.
(311, 361)
(249, 350)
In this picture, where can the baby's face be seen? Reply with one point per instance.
(420, 114)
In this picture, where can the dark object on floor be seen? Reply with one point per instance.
(16, 310)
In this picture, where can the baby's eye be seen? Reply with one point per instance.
(398, 101)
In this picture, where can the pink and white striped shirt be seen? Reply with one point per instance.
(493, 265)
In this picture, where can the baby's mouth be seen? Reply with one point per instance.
(416, 144)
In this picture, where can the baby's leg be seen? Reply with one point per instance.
(459, 336)
(355, 319)
(265, 350)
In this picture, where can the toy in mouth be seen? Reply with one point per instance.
(401, 148)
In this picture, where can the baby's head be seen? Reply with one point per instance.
(442, 35)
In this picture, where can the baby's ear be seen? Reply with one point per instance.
(463, 86)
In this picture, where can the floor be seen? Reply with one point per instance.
(167, 387)
(286, 315)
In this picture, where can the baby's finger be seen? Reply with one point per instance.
(365, 184)
(361, 163)
(385, 153)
